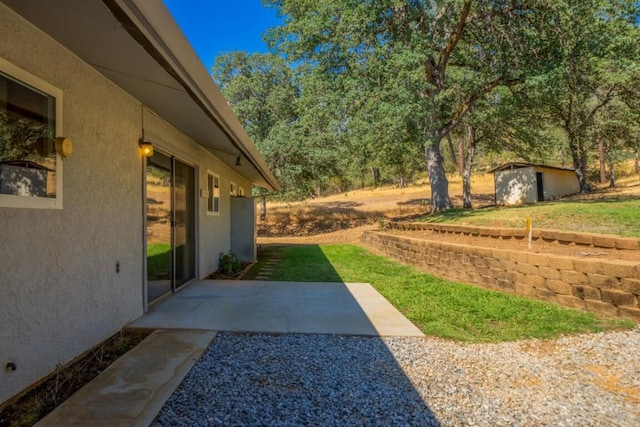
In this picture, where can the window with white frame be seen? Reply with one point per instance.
(213, 188)
(233, 189)
(241, 192)
(30, 120)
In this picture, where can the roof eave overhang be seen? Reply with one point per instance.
(138, 45)
(157, 32)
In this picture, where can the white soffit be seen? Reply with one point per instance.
(138, 45)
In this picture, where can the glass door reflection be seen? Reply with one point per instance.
(159, 179)
(184, 226)
(170, 189)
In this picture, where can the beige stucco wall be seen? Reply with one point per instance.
(516, 186)
(60, 293)
(558, 183)
(59, 289)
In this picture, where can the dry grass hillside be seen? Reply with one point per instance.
(342, 218)
(362, 207)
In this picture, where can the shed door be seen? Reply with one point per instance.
(540, 186)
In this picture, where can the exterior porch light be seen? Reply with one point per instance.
(238, 161)
(146, 148)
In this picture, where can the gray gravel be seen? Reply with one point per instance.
(322, 380)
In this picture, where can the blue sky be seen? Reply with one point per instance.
(217, 26)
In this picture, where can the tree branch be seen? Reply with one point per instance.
(467, 105)
(455, 37)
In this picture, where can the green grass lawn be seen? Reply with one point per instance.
(610, 215)
(438, 307)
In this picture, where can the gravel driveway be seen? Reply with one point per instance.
(328, 380)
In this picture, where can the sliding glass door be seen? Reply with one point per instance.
(184, 230)
(170, 190)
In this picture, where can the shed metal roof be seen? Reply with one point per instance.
(520, 165)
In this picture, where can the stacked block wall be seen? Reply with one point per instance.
(554, 236)
(609, 287)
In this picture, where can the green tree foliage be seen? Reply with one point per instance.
(364, 91)
(264, 92)
(422, 64)
(24, 139)
(598, 49)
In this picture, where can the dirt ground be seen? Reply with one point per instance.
(342, 218)
(352, 236)
(348, 235)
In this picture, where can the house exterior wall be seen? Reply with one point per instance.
(243, 228)
(516, 186)
(60, 290)
(60, 293)
(558, 183)
(213, 235)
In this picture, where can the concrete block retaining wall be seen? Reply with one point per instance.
(562, 237)
(608, 287)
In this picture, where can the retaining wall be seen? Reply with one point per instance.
(609, 287)
(563, 237)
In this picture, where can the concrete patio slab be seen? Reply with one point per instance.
(280, 307)
(134, 388)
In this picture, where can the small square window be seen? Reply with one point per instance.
(30, 120)
(213, 189)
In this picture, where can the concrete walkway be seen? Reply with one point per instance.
(133, 389)
(280, 307)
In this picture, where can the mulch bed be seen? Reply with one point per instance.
(40, 400)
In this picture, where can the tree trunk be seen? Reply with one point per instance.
(263, 208)
(603, 171)
(402, 183)
(460, 155)
(612, 177)
(636, 164)
(375, 175)
(437, 177)
(454, 158)
(579, 157)
(466, 173)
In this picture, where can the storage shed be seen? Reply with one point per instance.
(522, 183)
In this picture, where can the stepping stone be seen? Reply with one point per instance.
(262, 277)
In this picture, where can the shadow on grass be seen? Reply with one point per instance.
(319, 330)
(626, 201)
(482, 199)
(297, 263)
(455, 215)
(607, 197)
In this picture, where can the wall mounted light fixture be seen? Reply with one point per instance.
(238, 161)
(64, 147)
(146, 148)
